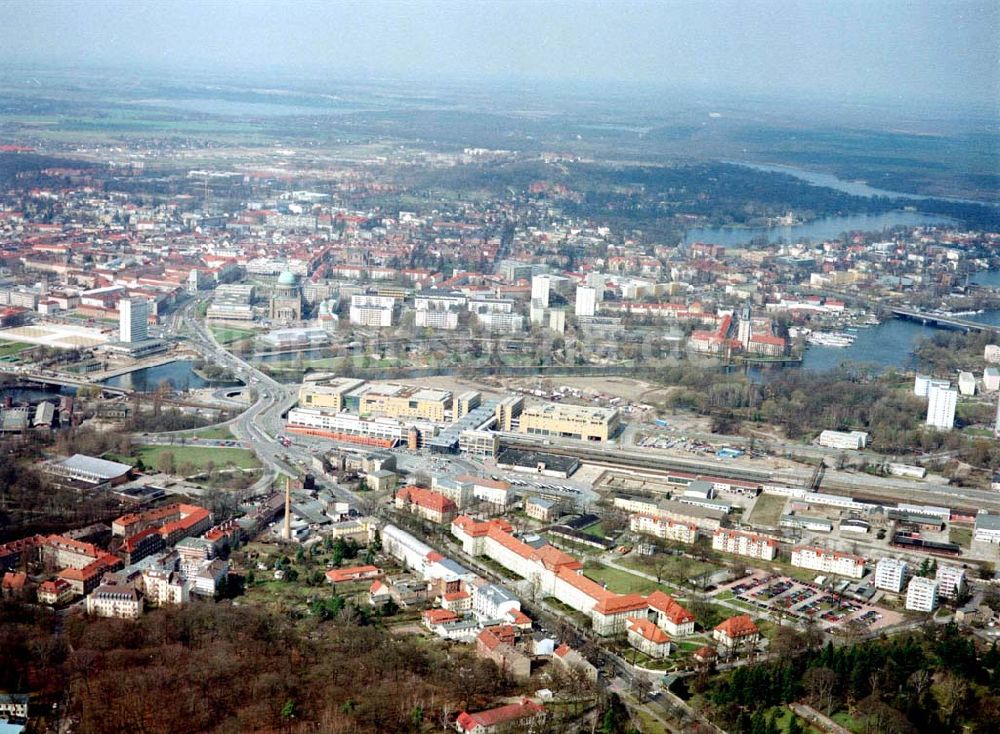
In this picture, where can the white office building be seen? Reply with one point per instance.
(941, 402)
(950, 580)
(133, 317)
(891, 574)
(586, 300)
(987, 529)
(843, 439)
(922, 594)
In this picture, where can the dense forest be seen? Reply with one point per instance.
(225, 668)
(932, 681)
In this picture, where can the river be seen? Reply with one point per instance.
(179, 374)
(888, 345)
(817, 230)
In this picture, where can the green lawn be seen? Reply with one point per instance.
(228, 334)
(960, 536)
(767, 510)
(9, 349)
(199, 456)
(214, 433)
(676, 569)
(596, 530)
(620, 582)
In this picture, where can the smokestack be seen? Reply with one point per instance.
(287, 533)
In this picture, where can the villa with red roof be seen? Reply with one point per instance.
(736, 633)
(647, 638)
(670, 616)
(524, 714)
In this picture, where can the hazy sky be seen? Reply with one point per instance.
(881, 48)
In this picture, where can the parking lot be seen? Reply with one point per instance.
(803, 601)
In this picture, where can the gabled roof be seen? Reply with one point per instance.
(648, 630)
(667, 605)
(501, 715)
(739, 626)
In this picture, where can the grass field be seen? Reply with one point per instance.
(673, 568)
(200, 456)
(767, 510)
(960, 536)
(596, 530)
(227, 334)
(621, 582)
(9, 349)
(217, 432)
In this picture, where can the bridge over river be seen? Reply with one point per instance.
(945, 321)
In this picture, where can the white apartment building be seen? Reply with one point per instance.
(922, 595)
(428, 319)
(828, 561)
(586, 301)
(991, 379)
(922, 385)
(375, 311)
(164, 588)
(950, 580)
(941, 402)
(992, 353)
(118, 602)
(501, 322)
(133, 319)
(891, 574)
(541, 287)
(966, 383)
(741, 543)
(661, 527)
(490, 601)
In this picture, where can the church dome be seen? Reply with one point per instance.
(287, 278)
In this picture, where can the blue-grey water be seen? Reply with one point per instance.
(990, 278)
(178, 374)
(888, 345)
(816, 231)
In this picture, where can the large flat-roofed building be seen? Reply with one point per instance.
(404, 401)
(987, 529)
(90, 470)
(509, 410)
(570, 421)
(381, 432)
(329, 396)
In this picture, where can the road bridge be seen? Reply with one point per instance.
(945, 321)
(64, 381)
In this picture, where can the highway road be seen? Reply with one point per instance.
(260, 425)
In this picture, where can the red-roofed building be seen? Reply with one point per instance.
(434, 617)
(55, 592)
(569, 659)
(497, 644)
(13, 584)
(378, 594)
(426, 503)
(647, 638)
(527, 715)
(140, 545)
(669, 615)
(354, 573)
(736, 633)
(458, 602)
